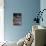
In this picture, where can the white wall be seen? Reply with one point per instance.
(1, 20)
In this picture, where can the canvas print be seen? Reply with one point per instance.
(17, 18)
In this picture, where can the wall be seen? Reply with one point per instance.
(1, 20)
(43, 6)
(28, 9)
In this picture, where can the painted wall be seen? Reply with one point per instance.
(1, 20)
(43, 6)
(28, 9)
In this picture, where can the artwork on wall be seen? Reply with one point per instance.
(17, 19)
(39, 16)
